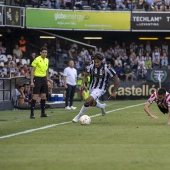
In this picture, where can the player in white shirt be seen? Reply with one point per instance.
(70, 81)
(162, 98)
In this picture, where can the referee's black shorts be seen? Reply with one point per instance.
(41, 85)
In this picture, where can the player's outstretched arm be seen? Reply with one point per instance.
(146, 109)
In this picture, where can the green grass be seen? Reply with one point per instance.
(121, 140)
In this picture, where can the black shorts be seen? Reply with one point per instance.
(40, 85)
(163, 110)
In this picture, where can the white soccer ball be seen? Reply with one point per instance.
(85, 120)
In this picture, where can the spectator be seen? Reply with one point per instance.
(155, 52)
(80, 59)
(147, 61)
(61, 81)
(158, 5)
(72, 52)
(22, 44)
(165, 47)
(149, 66)
(108, 55)
(140, 4)
(58, 47)
(142, 50)
(148, 46)
(142, 72)
(148, 55)
(5, 70)
(118, 61)
(78, 4)
(140, 57)
(156, 61)
(13, 69)
(114, 57)
(27, 93)
(17, 52)
(1, 56)
(56, 4)
(2, 48)
(32, 57)
(120, 4)
(149, 5)
(55, 78)
(103, 4)
(25, 69)
(128, 73)
(125, 60)
(87, 58)
(135, 74)
(131, 4)
(21, 71)
(133, 61)
(133, 47)
(120, 72)
(167, 5)
(77, 65)
(46, 3)
(22, 101)
(164, 61)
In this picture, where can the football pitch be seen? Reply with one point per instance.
(124, 139)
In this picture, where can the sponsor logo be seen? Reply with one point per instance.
(158, 75)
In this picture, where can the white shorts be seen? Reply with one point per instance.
(96, 93)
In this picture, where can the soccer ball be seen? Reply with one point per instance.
(85, 120)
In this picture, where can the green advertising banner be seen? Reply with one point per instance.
(79, 20)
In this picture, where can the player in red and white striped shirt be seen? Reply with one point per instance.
(162, 98)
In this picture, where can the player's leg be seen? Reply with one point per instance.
(43, 92)
(101, 106)
(36, 92)
(68, 92)
(84, 108)
(73, 89)
(33, 101)
(97, 93)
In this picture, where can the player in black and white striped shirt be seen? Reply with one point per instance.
(100, 74)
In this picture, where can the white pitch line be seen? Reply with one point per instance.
(118, 109)
(63, 123)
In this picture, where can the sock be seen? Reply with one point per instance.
(83, 110)
(99, 105)
(32, 106)
(43, 106)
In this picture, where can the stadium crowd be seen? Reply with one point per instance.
(147, 5)
(129, 61)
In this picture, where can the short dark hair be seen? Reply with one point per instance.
(43, 48)
(98, 55)
(162, 91)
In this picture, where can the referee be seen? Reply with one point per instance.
(39, 77)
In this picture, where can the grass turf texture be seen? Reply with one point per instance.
(121, 140)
